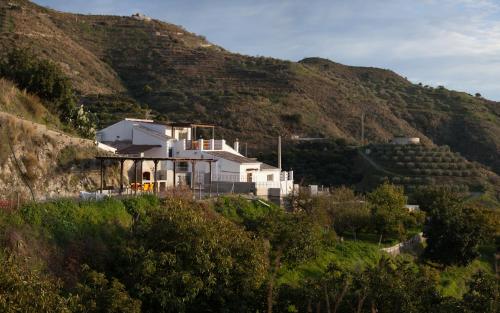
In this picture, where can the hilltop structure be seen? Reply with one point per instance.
(403, 140)
(170, 151)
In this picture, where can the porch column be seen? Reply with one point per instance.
(121, 176)
(175, 174)
(135, 177)
(210, 178)
(155, 178)
(102, 174)
(193, 168)
(141, 172)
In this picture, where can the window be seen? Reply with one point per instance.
(270, 177)
(182, 166)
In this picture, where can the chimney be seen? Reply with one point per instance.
(237, 145)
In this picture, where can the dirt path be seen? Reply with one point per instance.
(375, 165)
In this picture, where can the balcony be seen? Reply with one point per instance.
(208, 145)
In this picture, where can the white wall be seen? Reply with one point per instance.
(123, 130)
(261, 176)
(179, 130)
(119, 131)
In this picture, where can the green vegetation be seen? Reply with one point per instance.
(453, 229)
(326, 162)
(232, 254)
(46, 80)
(388, 212)
(418, 165)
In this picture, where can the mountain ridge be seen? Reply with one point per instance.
(172, 74)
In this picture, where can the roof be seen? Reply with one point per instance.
(232, 157)
(182, 124)
(151, 132)
(136, 149)
(265, 166)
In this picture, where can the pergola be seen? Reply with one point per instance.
(136, 160)
(193, 128)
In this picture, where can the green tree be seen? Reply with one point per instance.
(453, 230)
(47, 80)
(183, 258)
(398, 285)
(350, 216)
(96, 294)
(387, 209)
(25, 290)
(482, 294)
(293, 238)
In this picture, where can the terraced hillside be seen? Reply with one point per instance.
(418, 165)
(126, 66)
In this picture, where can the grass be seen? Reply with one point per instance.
(453, 278)
(352, 255)
(24, 105)
(356, 255)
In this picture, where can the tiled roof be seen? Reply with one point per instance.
(232, 157)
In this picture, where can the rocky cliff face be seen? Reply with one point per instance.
(36, 161)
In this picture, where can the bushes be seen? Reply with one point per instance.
(45, 79)
(67, 220)
(138, 206)
(95, 293)
(184, 260)
(241, 210)
(26, 290)
(40, 77)
(453, 230)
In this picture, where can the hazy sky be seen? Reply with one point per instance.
(455, 43)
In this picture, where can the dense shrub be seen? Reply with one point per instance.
(453, 229)
(46, 79)
(96, 293)
(241, 210)
(185, 261)
(23, 289)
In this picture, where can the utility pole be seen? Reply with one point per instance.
(279, 152)
(363, 128)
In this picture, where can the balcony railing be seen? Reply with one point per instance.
(208, 144)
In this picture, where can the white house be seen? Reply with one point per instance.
(180, 159)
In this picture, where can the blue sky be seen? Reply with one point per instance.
(455, 43)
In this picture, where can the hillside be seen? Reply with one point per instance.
(35, 155)
(414, 166)
(123, 66)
